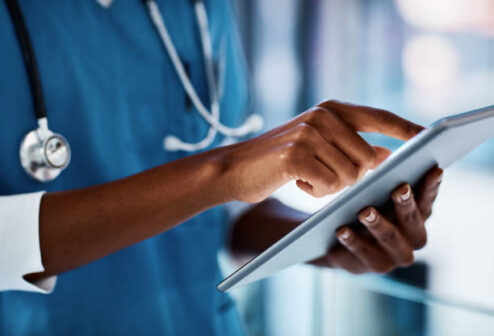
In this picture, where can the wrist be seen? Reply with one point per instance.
(219, 172)
(214, 177)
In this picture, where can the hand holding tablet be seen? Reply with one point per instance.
(443, 143)
(384, 244)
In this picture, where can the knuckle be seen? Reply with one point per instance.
(360, 249)
(388, 235)
(286, 152)
(316, 113)
(294, 149)
(370, 157)
(352, 174)
(304, 131)
(329, 103)
(290, 157)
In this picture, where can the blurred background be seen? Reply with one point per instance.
(423, 59)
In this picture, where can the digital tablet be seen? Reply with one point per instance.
(443, 143)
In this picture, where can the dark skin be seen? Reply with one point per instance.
(320, 149)
(378, 246)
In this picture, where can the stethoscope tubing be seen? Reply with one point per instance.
(29, 59)
(252, 124)
(36, 141)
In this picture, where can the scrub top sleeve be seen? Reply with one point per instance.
(20, 252)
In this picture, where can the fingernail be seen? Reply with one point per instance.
(371, 216)
(405, 196)
(368, 216)
(345, 233)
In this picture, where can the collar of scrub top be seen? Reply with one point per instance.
(253, 124)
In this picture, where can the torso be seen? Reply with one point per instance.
(113, 93)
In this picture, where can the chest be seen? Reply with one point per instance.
(109, 85)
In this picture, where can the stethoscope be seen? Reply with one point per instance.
(45, 154)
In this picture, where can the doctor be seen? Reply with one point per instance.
(113, 175)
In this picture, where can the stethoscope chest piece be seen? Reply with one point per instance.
(44, 154)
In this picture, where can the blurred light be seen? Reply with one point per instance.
(445, 15)
(430, 61)
(277, 81)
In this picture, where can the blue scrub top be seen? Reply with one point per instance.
(112, 92)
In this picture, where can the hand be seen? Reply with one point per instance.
(320, 148)
(383, 244)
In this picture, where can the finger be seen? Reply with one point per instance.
(372, 256)
(330, 155)
(388, 236)
(340, 257)
(381, 155)
(313, 176)
(410, 221)
(336, 131)
(427, 191)
(368, 119)
(347, 172)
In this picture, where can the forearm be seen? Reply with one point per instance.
(80, 226)
(263, 225)
(320, 149)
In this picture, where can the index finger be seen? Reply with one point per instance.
(368, 119)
